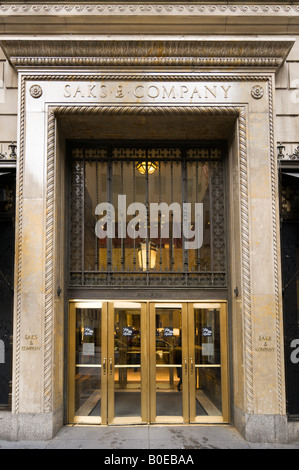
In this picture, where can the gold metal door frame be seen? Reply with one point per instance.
(188, 366)
(72, 418)
(148, 364)
(152, 366)
(143, 419)
(223, 363)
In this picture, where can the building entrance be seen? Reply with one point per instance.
(147, 362)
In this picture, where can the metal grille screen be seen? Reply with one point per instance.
(148, 176)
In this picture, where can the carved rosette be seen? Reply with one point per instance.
(36, 91)
(257, 92)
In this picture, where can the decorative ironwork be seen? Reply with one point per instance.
(282, 156)
(295, 154)
(13, 147)
(191, 174)
(10, 156)
(290, 284)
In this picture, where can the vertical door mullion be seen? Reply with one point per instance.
(110, 362)
(104, 363)
(144, 363)
(192, 369)
(152, 363)
(185, 363)
(224, 362)
(71, 363)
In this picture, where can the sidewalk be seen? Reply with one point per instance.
(146, 437)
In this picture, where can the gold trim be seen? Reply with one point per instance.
(148, 366)
(71, 363)
(224, 363)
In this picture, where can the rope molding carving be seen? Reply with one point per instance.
(246, 273)
(275, 218)
(146, 77)
(137, 109)
(49, 265)
(18, 245)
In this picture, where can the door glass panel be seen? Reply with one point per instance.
(207, 362)
(127, 362)
(168, 362)
(88, 362)
(181, 385)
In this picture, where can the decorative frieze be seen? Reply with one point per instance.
(153, 8)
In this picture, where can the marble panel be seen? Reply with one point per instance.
(34, 177)
(267, 352)
(31, 353)
(262, 269)
(33, 245)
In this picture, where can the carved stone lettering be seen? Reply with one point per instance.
(265, 347)
(132, 92)
(31, 343)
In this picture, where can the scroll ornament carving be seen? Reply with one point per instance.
(90, 8)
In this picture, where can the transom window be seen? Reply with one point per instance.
(147, 251)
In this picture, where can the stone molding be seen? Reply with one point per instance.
(53, 112)
(32, 52)
(89, 18)
(182, 9)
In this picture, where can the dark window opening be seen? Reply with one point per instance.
(7, 240)
(289, 212)
(152, 175)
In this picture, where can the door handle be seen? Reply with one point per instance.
(110, 365)
(191, 366)
(104, 366)
(186, 366)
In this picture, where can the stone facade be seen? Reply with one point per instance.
(248, 75)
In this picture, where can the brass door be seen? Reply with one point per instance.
(87, 363)
(188, 363)
(107, 363)
(208, 363)
(145, 362)
(127, 363)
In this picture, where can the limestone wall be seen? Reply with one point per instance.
(287, 101)
(287, 128)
